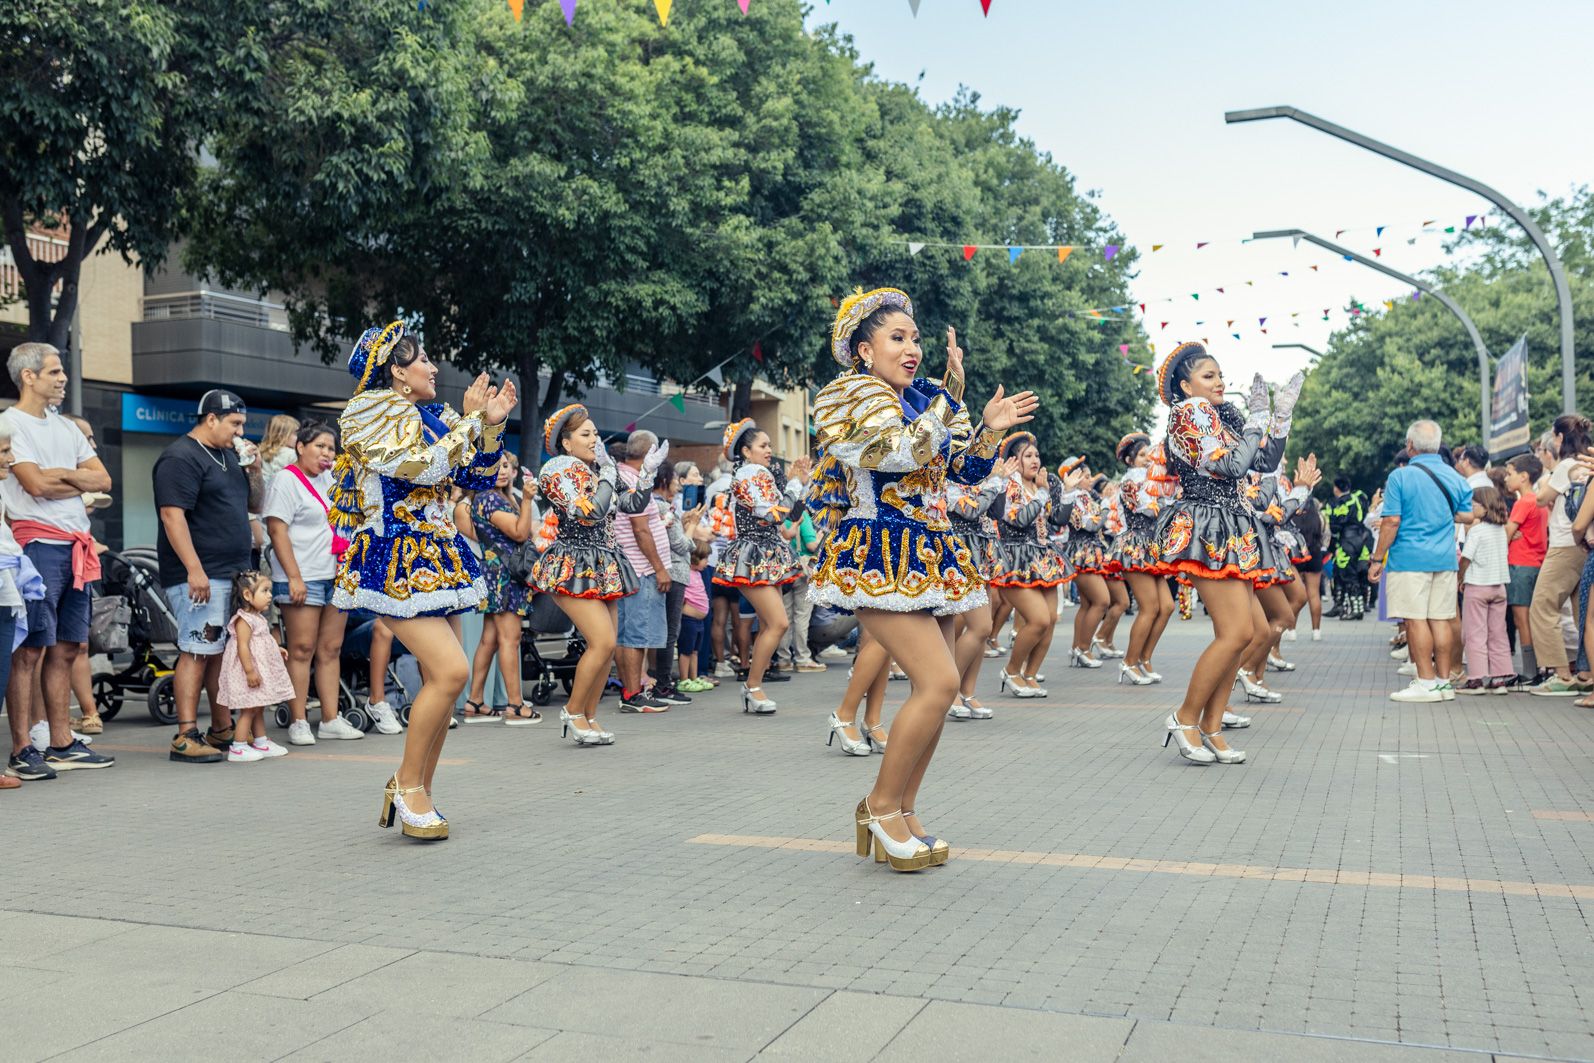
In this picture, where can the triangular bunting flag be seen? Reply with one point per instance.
(915, 5)
(1450, 228)
(1156, 247)
(516, 7)
(1164, 324)
(1347, 258)
(1411, 242)
(1378, 252)
(1337, 233)
(1429, 222)
(1142, 308)
(1236, 335)
(663, 7)
(968, 251)
(1295, 241)
(1261, 321)
(1110, 250)
(569, 8)
(1201, 243)
(1389, 304)
(743, 5)
(986, 6)
(1220, 291)
(678, 400)
(1195, 295)
(1123, 348)
(1314, 269)
(1229, 323)
(1063, 253)
(914, 247)
(1470, 219)
(1250, 284)
(1284, 273)
(1013, 253)
(1378, 231)
(1264, 332)
(758, 352)
(631, 427)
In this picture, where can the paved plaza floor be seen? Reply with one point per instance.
(1378, 882)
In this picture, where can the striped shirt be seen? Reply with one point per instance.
(1485, 551)
(625, 536)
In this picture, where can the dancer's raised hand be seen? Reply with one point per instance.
(500, 401)
(954, 354)
(1076, 476)
(475, 396)
(1256, 398)
(1008, 411)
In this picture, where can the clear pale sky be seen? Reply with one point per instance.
(1130, 98)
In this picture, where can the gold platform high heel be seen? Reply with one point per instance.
(940, 851)
(427, 826)
(384, 818)
(911, 855)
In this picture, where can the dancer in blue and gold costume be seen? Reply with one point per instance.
(403, 452)
(888, 441)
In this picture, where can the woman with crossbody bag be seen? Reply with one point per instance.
(304, 558)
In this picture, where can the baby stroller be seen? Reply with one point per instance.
(354, 685)
(550, 651)
(134, 574)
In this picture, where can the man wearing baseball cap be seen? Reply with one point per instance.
(206, 485)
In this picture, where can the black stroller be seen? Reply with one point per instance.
(145, 668)
(550, 650)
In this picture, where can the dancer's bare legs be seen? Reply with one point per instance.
(975, 628)
(923, 645)
(596, 621)
(1093, 602)
(1117, 606)
(1232, 607)
(444, 672)
(1043, 641)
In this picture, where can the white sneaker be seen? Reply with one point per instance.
(39, 735)
(1419, 690)
(338, 727)
(1317, 635)
(724, 670)
(267, 748)
(387, 722)
(238, 753)
(1407, 669)
(835, 653)
(1400, 653)
(299, 734)
(1289, 634)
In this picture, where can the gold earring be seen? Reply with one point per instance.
(406, 388)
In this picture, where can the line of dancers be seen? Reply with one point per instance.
(933, 528)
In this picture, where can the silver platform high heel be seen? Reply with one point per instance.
(853, 747)
(977, 712)
(581, 736)
(877, 741)
(1234, 721)
(1279, 664)
(1128, 673)
(1081, 659)
(1035, 681)
(1223, 756)
(1010, 686)
(1155, 677)
(756, 704)
(1255, 691)
(1189, 750)
(1101, 651)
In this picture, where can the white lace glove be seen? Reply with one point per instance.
(650, 464)
(605, 463)
(1284, 405)
(1256, 402)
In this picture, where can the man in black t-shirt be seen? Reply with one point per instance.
(206, 485)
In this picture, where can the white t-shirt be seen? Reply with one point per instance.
(1485, 551)
(308, 530)
(1479, 479)
(1567, 472)
(9, 595)
(50, 442)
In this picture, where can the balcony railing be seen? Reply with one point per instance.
(219, 306)
(43, 248)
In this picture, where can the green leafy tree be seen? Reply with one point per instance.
(102, 109)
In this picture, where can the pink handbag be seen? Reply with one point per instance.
(340, 545)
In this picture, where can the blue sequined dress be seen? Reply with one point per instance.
(402, 461)
(879, 490)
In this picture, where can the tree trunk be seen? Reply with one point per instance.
(742, 399)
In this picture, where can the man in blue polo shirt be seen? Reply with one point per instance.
(1417, 547)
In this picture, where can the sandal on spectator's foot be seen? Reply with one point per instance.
(474, 713)
(521, 715)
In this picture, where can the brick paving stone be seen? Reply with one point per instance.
(1377, 871)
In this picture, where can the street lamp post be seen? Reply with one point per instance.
(1563, 294)
(1484, 385)
(1313, 351)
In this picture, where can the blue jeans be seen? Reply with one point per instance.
(8, 630)
(1583, 587)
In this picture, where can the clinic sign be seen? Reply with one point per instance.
(174, 417)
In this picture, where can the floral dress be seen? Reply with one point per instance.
(582, 561)
(969, 511)
(1210, 531)
(1087, 550)
(758, 555)
(390, 498)
(505, 594)
(879, 496)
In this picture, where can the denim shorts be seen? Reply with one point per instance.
(642, 617)
(691, 635)
(62, 615)
(316, 592)
(1520, 590)
(201, 629)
